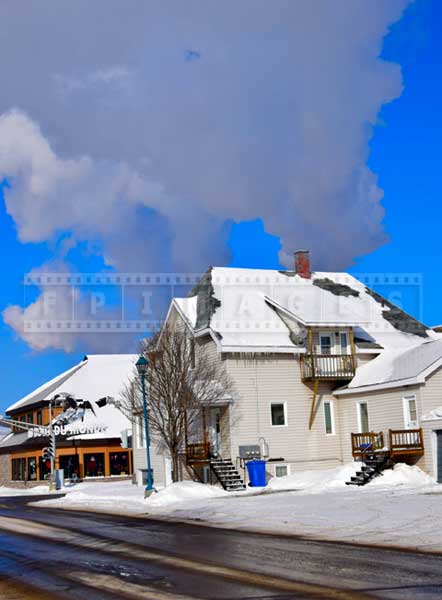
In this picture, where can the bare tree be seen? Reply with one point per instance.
(181, 379)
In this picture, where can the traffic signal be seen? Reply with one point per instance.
(46, 453)
(49, 451)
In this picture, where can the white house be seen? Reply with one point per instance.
(321, 365)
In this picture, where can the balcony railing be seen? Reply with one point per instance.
(405, 442)
(327, 366)
(198, 452)
(362, 443)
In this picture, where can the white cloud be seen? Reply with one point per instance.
(126, 143)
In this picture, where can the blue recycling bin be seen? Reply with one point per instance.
(257, 473)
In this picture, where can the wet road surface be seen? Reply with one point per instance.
(51, 553)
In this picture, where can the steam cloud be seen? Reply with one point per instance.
(143, 127)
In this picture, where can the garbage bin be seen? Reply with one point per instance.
(257, 473)
(59, 479)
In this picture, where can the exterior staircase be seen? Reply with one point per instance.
(227, 474)
(372, 466)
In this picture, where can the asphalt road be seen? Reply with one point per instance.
(50, 553)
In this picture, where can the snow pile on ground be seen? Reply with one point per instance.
(121, 497)
(184, 491)
(403, 474)
(37, 490)
(314, 481)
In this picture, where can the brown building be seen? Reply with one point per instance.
(91, 445)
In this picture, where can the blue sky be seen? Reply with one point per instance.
(405, 153)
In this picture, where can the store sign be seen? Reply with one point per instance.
(68, 430)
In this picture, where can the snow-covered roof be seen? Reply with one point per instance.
(396, 368)
(261, 310)
(96, 376)
(4, 432)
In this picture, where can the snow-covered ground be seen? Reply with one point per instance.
(403, 507)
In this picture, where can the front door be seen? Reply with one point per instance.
(215, 430)
(439, 456)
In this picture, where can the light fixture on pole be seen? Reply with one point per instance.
(142, 366)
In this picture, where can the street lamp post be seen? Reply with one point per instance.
(53, 449)
(142, 366)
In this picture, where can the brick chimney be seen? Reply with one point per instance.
(302, 263)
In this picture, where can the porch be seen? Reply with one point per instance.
(207, 433)
(401, 442)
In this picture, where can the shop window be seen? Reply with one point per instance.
(45, 468)
(119, 463)
(19, 469)
(71, 466)
(32, 469)
(94, 464)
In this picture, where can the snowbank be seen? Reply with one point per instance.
(314, 481)
(184, 491)
(403, 474)
(120, 497)
(37, 490)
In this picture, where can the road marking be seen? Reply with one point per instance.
(58, 534)
(110, 583)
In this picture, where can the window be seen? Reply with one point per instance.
(32, 468)
(39, 417)
(325, 343)
(192, 354)
(141, 437)
(19, 469)
(31, 418)
(45, 468)
(281, 470)
(343, 342)
(71, 466)
(278, 414)
(119, 463)
(329, 420)
(94, 464)
(363, 417)
(410, 412)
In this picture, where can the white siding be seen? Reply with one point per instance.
(385, 411)
(431, 399)
(261, 381)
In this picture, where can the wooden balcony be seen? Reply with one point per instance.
(198, 452)
(401, 442)
(327, 367)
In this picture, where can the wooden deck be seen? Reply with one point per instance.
(401, 442)
(327, 367)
